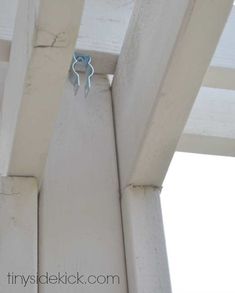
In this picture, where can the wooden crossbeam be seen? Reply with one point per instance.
(110, 19)
(210, 128)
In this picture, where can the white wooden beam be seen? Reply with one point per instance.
(158, 75)
(220, 77)
(110, 19)
(105, 63)
(103, 27)
(147, 266)
(210, 128)
(221, 72)
(18, 233)
(43, 43)
(80, 221)
(224, 54)
(206, 144)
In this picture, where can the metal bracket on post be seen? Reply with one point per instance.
(81, 62)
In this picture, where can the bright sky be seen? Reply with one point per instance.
(198, 202)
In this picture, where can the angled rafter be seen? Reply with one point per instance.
(167, 50)
(43, 42)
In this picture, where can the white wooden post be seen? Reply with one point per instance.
(147, 267)
(79, 215)
(18, 233)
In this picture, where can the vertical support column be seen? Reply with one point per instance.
(80, 219)
(18, 234)
(147, 266)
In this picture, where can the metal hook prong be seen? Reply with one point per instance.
(84, 62)
(89, 76)
(77, 85)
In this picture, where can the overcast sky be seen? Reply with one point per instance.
(198, 202)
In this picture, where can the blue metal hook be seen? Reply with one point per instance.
(81, 63)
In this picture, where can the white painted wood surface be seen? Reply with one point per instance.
(152, 104)
(224, 55)
(43, 43)
(221, 73)
(103, 26)
(80, 220)
(210, 128)
(7, 18)
(147, 266)
(220, 77)
(18, 232)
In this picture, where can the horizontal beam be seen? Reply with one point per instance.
(220, 77)
(211, 125)
(224, 55)
(105, 63)
(206, 144)
(110, 20)
(101, 35)
(42, 46)
(156, 82)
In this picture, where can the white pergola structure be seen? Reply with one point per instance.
(81, 177)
